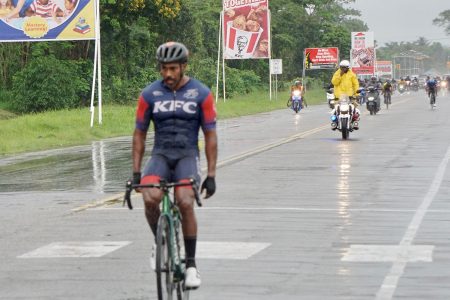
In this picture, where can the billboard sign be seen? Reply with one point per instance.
(384, 68)
(246, 27)
(321, 58)
(57, 20)
(362, 54)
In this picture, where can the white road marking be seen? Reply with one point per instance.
(229, 250)
(390, 282)
(389, 253)
(75, 249)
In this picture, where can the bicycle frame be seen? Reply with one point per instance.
(171, 213)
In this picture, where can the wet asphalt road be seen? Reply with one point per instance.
(319, 218)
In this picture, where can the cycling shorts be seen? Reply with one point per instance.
(171, 169)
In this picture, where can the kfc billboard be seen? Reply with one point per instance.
(56, 20)
(246, 27)
(362, 56)
(321, 58)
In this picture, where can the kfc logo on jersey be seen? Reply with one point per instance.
(174, 105)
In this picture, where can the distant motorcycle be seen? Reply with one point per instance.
(342, 117)
(296, 101)
(401, 88)
(330, 97)
(362, 96)
(444, 87)
(373, 100)
(415, 86)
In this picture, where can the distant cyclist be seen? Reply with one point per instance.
(178, 106)
(431, 88)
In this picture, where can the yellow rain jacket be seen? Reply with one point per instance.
(346, 84)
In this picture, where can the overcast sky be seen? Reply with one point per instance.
(403, 20)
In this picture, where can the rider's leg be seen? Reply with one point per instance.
(186, 168)
(155, 169)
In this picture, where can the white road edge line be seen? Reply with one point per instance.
(390, 282)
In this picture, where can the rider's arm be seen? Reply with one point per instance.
(138, 148)
(143, 117)
(211, 151)
(209, 131)
(336, 80)
(355, 84)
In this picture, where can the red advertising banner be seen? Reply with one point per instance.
(246, 29)
(362, 55)
(384, 67)
(321, 58)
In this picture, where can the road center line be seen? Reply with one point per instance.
(390, 282)
(227, 161)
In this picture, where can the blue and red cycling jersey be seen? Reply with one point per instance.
(177, 115)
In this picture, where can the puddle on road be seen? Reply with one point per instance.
(100, 167)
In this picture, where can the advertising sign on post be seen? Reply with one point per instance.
(68, 20)
(246, 29)
(384, 68)
(276, 66)
(362, 56)
(321, 58)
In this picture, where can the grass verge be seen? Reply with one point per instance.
(57, 129)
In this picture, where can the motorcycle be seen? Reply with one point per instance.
(415, 86)
(444, 87)
(373, 100)
(330, 97)
(401, 88)
(362, 96)
(296, 101)
(342, 117)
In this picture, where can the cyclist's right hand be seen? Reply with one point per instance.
(209, 184)
(137, 179)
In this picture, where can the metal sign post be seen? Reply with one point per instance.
(276, 67)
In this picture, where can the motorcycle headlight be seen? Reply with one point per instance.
(401, 86)
(344, 108)
(371, 98)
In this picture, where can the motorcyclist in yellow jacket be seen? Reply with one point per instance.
(346, 83)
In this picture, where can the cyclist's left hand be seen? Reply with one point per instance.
(137, 180)
(209, 184)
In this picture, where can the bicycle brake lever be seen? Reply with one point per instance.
(127, 197)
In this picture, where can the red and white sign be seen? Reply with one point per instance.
(246, 29)
(362, 54)
(384, 67)
(321, 58)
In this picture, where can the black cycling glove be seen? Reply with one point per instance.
(136, 177)
(209, 184)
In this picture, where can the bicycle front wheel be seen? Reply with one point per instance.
(164, 266)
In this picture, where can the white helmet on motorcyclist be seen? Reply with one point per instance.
(344, 63)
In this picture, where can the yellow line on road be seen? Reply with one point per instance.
(117, 198)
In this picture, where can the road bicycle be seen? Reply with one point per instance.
(170, 265)
(387, 98)
(432, 96)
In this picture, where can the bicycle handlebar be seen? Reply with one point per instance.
(162, 185)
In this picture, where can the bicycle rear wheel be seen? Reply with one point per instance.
(164, 265)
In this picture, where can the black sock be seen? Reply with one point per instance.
(154, 227)
(190, 243)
